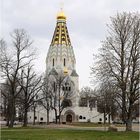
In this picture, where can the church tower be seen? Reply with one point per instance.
(60, 57)
(61, 62)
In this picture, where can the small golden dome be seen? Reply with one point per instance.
(65, 70)
(61, 15)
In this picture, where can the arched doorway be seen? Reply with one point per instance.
(69, 118)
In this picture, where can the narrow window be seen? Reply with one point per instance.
(54, 86)
(66, 88)
(63, 88)
(53, 61)
(69, 88)
(64, 62)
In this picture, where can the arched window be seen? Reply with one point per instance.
(69, 88)
(66, 103)
(53, 62)
(64, 62)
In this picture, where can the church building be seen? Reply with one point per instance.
(61, 60)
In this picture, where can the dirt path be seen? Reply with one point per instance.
(64, 126)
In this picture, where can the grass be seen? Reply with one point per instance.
(64, 134)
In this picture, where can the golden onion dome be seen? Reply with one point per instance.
(65, 70)
(61, 15)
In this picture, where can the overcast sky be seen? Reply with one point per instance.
(86, 22)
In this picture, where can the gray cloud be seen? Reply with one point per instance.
(86, 21)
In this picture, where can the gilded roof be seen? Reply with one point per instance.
(61, 35)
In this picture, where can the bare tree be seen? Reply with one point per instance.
(87, 92)
(106, 97)
(47, 91)
(31, 86)
(60, 89)
(119, 61)
(87, 97)
(12, 62)
(5, 101)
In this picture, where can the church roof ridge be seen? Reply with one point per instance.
(53, 72)
(74, 73)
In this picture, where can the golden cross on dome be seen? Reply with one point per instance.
(62, 6)
(61, 14)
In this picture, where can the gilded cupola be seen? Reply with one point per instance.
(61, 35)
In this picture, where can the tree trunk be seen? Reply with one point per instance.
(7, 115)
(5, 107)
(55, 116)
(59, 103)
(59, 118)
(129, 125)
(129, 120)
(123, 107)
(104, 117)
(48, 117)
(12, 113)
(25, 118)
(34, 115)
(7, 123)
(109, 117)
(11, 124)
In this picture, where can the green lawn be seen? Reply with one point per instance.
(64, 134)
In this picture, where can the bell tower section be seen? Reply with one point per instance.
(61, 57)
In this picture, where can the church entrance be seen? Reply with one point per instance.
(69, 118)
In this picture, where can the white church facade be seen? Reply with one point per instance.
(61, 59)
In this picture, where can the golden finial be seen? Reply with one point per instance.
(61, 14)
(65, 71)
